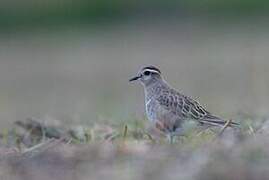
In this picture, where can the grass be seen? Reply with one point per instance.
(126, 151)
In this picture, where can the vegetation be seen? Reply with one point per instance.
(126, 151)
(32, 14)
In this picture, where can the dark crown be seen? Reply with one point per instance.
(153, 68)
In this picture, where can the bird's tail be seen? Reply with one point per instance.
(216, 121)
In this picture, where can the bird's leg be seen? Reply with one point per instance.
(170, 138)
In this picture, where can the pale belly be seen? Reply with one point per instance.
(173, 123)
(151, 112)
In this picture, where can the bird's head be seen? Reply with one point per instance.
(148, 75)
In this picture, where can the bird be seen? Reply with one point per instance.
(168, 109)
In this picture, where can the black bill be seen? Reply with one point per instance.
(135, 78)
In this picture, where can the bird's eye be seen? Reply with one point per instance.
(147, 73)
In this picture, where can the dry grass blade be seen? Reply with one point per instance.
(40, 148)
(112, 137)
(227, 123)
(251, 129)
(201, 132)
(150, 137)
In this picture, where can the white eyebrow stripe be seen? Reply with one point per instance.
(151, 70)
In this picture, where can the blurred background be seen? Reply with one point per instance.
(71, 60)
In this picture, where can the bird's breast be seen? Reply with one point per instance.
(154, 111)
(151, 108)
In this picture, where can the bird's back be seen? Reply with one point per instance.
(166, 105)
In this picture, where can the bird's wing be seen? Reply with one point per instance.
(186, 108)
(181, 105)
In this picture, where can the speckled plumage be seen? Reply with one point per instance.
(167, 108)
